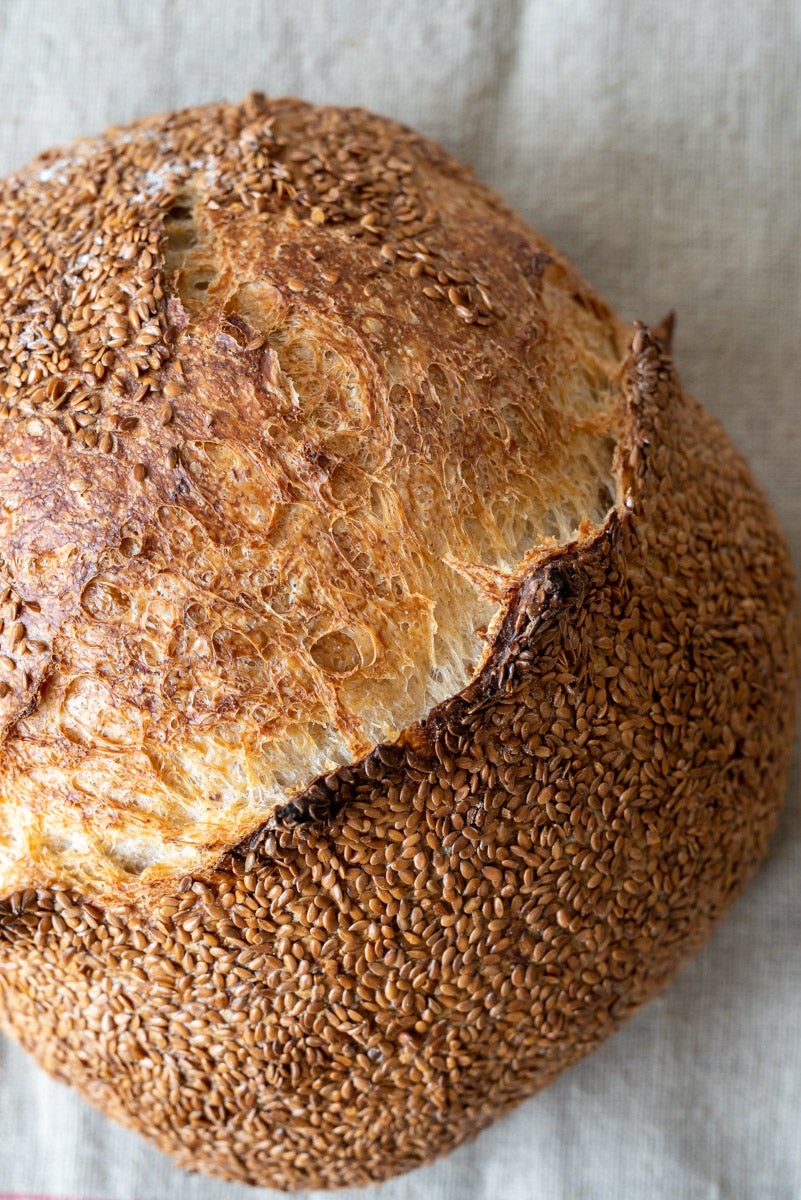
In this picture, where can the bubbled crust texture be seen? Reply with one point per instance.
(287, 398)
(479, 906)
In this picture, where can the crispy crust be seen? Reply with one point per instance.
(426, 936)
(291, 402)
(474, 910)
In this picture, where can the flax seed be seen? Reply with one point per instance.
(452, 913)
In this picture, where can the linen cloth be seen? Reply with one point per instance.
(659, 147)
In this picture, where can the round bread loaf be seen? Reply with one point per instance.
(397, 668)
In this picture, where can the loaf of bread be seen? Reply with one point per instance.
(397, 668)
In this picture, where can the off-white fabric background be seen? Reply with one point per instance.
(659, 146)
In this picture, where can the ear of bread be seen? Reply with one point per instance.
(400, 667)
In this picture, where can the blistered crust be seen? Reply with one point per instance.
(292, 404)
(436, 932)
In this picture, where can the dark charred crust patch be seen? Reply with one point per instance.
(537, 263)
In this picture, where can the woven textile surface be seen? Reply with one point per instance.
(659, 147)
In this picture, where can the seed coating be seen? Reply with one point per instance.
(421, 937)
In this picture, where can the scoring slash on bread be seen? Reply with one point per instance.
(398, 668)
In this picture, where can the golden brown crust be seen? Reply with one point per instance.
(432, 932)
(289, 400)
(344, 1000)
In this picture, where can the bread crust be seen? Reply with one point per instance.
(292, 401)
(432, 932)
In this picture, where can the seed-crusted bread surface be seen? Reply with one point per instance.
(291, 403)
(342, 999)
(400, 668)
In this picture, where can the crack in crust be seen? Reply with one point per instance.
(463, 914)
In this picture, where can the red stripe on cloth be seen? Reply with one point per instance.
(40, 1195)
(43, 1196)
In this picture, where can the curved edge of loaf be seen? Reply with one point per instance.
(438, 931)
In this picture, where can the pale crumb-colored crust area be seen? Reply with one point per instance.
(345, 998)
(291, 406)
